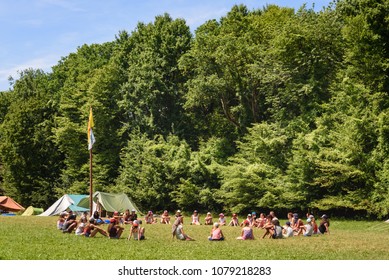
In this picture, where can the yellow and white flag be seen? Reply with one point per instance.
(91, 137)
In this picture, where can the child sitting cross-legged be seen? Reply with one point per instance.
(216, 233)
(136, 231)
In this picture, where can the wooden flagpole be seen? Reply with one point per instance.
(90, 183)
(91, 140)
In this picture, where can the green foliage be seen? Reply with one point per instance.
(152, 169)
(30, 159)
(269, 108)
(366, 32)
(203, 179)
(253, 179)
(152, 93)
(76, 76)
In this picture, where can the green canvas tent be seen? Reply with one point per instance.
(110, 202)
(30, 211)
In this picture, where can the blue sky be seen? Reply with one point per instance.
(37, 33)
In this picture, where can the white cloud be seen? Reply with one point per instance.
(45, 63)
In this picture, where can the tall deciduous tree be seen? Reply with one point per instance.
(254, 176)
(152, 170)
(30, 158)
(82, 83)
(152, 95)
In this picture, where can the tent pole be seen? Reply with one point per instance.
(90, 184)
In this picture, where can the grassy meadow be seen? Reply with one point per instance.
(36, 238)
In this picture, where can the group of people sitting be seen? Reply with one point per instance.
(90, 227)
(294, 226)
(270, 225)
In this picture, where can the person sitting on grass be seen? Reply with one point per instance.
(272, 214)
(133, 216)
(261, 221)
(324, 225)
(98, 220)
(195, 218)
(268, 227)
(178, 230)
(249, 219)
(118, 217)
(254, 222)
(216, 233)
(247, 232)
(84, 218)
(295, 219)
(179, 215)
(234, 220)
(70, 223)
(288, 230)
(297, 225)
(165, 218)
(290, 218)
(127, 217)
(222, 220)
(61, 220)
(277, 229)
(307, 228)
(314, 224)
(136, 231)
(114, 229)
(82, 223)
(91, 229)
(208, 219)
(149, 218)
(80, 228)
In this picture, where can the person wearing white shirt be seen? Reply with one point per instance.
(288, 230)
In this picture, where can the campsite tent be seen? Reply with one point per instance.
(30, 211)
(8, 204)
(67, 201)
(110, 202)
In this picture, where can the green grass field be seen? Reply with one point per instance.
(36, 238)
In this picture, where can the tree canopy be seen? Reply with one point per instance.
(271, 108)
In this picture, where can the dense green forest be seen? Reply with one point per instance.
(272, 108)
